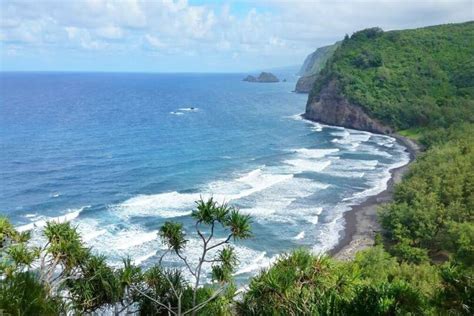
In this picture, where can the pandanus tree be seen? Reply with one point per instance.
(189, 298)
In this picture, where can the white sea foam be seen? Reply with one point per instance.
(69, 216)
(327, 235)
(352, 139)
(299, 236)
(143, 258)
(175, 204)
(379, 182)
(166, 205)
(189, 109)
(344, 133)
(132, 238)
(254, 263)
(315, 153)
(317, 127)
(297, 117)
(308, 165)
(176, 113)
(376, 187)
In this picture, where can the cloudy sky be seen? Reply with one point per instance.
(195, 35)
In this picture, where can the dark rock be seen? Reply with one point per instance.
(250, 78)
(332, 108)
(267, 77)
(305, 84)
(263, 77)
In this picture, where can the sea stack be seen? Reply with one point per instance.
(263, 77)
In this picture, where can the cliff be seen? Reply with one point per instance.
(330, 107)
(304, 84)
(383, 81)
(312, 65)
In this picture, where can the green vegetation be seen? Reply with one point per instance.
(64, 277)
(408, 79)
(432, 214)
(412, 133)
(374, 283)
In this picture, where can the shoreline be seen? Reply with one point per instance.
(361, 222)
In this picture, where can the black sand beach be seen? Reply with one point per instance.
(361, 222)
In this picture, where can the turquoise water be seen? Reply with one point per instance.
(119, 154)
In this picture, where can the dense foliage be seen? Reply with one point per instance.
(374, 283)
(433, 212)
(409, 78)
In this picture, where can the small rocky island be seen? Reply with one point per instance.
(263, 77)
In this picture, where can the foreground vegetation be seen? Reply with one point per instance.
(64, 277)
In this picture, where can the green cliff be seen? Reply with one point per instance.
(401, 79)
(312, 65)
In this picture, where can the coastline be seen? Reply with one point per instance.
(361, 223)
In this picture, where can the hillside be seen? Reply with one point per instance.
(422, 261)
(401, 79)
(312, 65)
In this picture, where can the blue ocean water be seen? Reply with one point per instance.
(119, 154)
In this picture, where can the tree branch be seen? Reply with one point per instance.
(212, 232)
(221, 243)
(200, 234)
(157, 302)
(186, 263)
(201, 305)
(162, 256)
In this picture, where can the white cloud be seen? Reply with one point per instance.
(110, 32)
(282, 31)
(154, 42)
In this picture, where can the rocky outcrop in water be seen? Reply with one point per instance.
(330, 107)
(250, 78)
(263, 77)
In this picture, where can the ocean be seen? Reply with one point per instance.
(117, 155)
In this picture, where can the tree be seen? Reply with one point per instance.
(209, 216)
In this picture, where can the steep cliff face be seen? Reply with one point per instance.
(332, 108)
(305, 84)
(312, 66)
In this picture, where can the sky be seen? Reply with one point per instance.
(195, 35)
